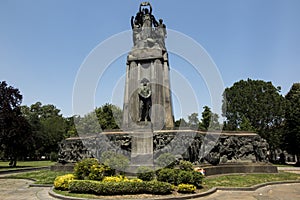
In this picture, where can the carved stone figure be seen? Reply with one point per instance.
(136, 28)
(161, 33)
(143, 25)
(145, 101)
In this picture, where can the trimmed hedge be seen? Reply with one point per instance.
(118, 188)
(186, 165)
(185, 177)
(145, 173)
(83, 168)
(168, 175)
(186, 188)
(177, 176)
(62, 182)
(197, 179)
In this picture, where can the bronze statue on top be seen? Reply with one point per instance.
(147, 32)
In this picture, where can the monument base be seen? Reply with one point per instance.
(68, 167)
(142, 148)
(238, 168)
(231, 147)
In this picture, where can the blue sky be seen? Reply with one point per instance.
(44, 43)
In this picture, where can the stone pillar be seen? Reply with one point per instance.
(148, 65)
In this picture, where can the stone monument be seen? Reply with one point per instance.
(147, 100)
(147, 128)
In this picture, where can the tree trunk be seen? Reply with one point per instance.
(13, 162)
(298, 160)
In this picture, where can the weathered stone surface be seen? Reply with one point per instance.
(240, 168)
(147, 70)
(188, 145)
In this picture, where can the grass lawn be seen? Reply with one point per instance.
(239, 180)
(25, 164)
(283, 165)
(246, 180)
(41, 177)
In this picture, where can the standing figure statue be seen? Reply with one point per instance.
(145, 101)
(161, 33)
(148, 20)
(136, 29)
(146, 30)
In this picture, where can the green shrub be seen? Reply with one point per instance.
(186, 188)
(53, 156)
(177, 176)
(115, 161)
(62, 182)
(197, 179)
(116, 188)
(185, 165)
(168, 175)
(145, 173)
(82, 169)
(166, 160)
(83, 186)
(185, 177)
(96, 172)
(157, 187)
(115, 179)
(135, 180)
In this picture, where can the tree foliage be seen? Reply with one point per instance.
(181, 123)
(48, 128)
(210, 120)
(109, 116)
(106, 117)
(254, 105)
(15, 137)
(193, 121)
(292, 138)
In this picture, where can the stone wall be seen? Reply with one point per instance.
(185, 144)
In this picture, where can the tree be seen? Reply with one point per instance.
(292, 137)
(181, 123)
(110, 116)
(106, 117)
(255, 105)
(70, 127)
(48, 127)
(210, 120)
(15, 137)
(193, 121)
(88, 124)
(206, 117)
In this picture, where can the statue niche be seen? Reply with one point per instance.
(144, 101)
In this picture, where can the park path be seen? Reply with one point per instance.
(272, 192)
(18, 189)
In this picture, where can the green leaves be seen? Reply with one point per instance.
(253, 104)
(109, 116)
(15, 134)
(292, 138)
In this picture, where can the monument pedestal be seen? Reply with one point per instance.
(142, 145)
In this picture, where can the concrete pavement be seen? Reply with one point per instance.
(272, 192)
(18, 189)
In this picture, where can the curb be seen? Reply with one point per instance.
(191, 196)
(40, 185)
(255, 187)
